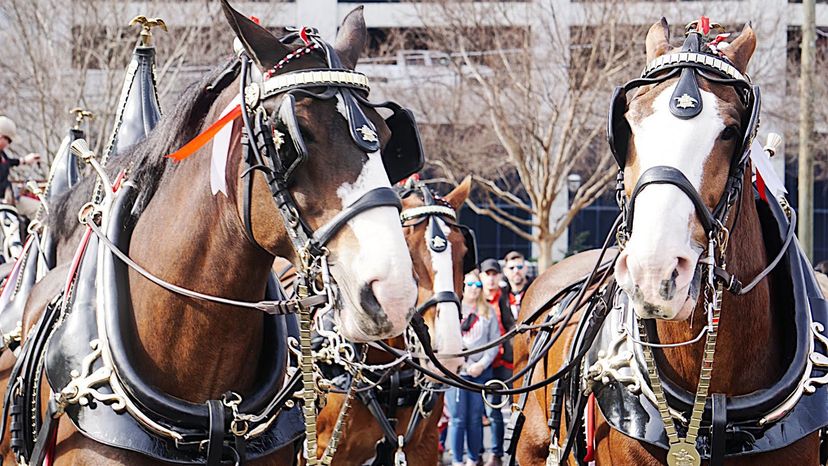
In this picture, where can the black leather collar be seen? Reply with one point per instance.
(635, 416)
(100, 422)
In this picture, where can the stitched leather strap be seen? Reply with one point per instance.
(215, 443)
(377, 197)
(672, 176)
(717, 447)
(441, 297)
(46, 436)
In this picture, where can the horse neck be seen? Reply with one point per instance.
(747, 355)
(193, 349)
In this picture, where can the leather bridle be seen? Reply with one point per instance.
(693, 60)
(436, 211)
(264, 152)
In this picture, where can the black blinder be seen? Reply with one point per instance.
(403, 154)
(470, 259)
(618, 129)
(437, 241)
(363, 132)
(286, 120)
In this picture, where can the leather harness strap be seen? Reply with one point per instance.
(215, 442)
(719, 425)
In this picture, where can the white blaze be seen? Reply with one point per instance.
(382, 258)
(663, 213)
(447, 335)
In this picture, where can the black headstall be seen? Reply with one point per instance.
(693, 61)
(274, 145)
(432, 209)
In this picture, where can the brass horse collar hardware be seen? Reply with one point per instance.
(683, 451)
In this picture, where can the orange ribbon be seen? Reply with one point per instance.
(199, 141)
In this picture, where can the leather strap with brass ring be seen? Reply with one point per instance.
(503, 402)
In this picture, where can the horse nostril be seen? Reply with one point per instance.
(368, 300)
(667, 289)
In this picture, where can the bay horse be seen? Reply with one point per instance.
(440, 268)
(685, 136)
(188, 350)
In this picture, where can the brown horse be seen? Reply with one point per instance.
(436, 272)
(657, 267)
(195, 350)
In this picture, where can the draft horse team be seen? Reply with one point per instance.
(250, 279)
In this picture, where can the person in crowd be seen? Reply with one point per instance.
(490, 276)
(8, 131)
(479, 326)
(515, 270)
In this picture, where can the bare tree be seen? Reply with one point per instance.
(53, 62)
(519, 100)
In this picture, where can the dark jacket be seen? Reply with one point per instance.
(507, 320)
(6, 163)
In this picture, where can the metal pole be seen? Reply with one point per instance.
(806, 129)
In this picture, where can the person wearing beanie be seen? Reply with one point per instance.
(8, 132)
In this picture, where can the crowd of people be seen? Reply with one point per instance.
(491, 303)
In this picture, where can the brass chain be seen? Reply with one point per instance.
(308, 384)
(310, 388)
(683, 451)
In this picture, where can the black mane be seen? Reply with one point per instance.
(146, 161)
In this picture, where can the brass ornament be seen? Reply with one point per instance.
(438, 243)
(146, 27)
(80, 115)
(252, 94)
(683, 454)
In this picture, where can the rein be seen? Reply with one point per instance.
(596, 312)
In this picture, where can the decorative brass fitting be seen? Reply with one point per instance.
(146, 27)
(80, 115)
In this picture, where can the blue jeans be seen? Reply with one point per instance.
(466, 423)
(496, 415)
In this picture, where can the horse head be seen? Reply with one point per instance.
(328, 143)
(682, 142)
(442, 251)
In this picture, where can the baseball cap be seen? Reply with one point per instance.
(490, 264)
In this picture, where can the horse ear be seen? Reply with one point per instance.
(351, 38)
(262, 46)
(458, 195)
(658, 39)
(740, 50)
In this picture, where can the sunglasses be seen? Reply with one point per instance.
(515, 267)
(477, 284)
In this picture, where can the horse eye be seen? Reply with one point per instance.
(730, 132)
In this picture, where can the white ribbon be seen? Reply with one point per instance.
(762, 164)
(221, 151)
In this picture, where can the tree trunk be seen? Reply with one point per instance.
(545, 248)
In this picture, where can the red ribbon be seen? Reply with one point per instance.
(199, 141)
(704, 25)
(760, 186)
(590, 428)
(303, 33)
